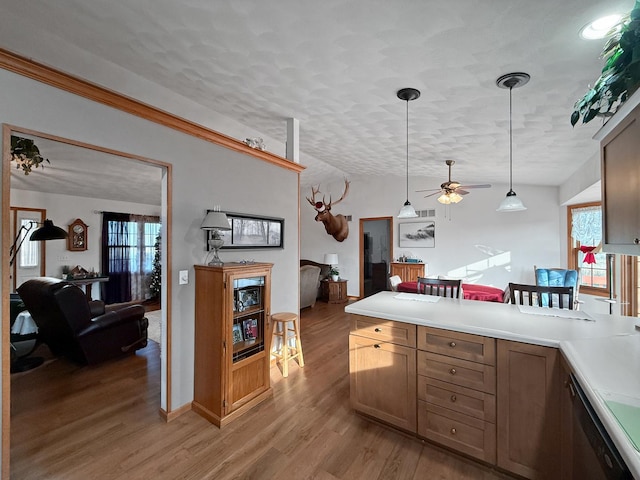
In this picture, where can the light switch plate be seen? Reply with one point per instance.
(183, 279)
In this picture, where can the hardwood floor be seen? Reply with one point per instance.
(102, 422)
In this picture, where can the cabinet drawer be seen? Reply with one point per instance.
(384, 330)
(459, 372)
(459, 399)
(460, 432)
(460, 345)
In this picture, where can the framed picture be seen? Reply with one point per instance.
(250, 328)
(237, 333)
(417, 234)
(247, 297)
(251, 232)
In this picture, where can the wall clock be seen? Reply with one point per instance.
(77, 240)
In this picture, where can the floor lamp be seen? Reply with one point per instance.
(48, 231)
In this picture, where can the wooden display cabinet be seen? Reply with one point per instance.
(232, 339)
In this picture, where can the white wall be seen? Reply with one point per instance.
(473, 241)
(64, 209)
(203, 175)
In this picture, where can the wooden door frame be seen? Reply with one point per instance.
(361, 247)
(166, 215)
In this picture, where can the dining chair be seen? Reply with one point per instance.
(439, 287)
(532, 295)
(559, 277)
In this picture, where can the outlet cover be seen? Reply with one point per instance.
(184, 277)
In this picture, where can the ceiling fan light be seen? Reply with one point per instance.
(511, 203)
(444, 199)
(455, 197)
(407, 211)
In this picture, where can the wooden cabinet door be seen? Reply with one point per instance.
(528, 403)
(383, 381)
(408, 272)
(620, 155)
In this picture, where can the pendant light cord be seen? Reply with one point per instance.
(510, 143)
(407, 150)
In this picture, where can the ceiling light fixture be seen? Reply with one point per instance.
(449, 197)
(511, 80)
(408, 94)
(601, 28)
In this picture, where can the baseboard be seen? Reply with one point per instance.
(173, 414)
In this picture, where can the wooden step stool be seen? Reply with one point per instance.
(281, 329)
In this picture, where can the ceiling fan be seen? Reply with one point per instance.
(450, 191)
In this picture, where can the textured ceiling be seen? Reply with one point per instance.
(336, 66)
(84, 172)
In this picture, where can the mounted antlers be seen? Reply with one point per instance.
(337, 225)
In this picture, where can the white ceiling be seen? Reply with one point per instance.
(336, 66)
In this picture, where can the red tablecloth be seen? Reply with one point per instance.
(471, 291)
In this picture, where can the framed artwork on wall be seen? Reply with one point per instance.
(251, 232)
(417, 234)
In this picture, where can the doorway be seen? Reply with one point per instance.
(376, 240)
(84, 155)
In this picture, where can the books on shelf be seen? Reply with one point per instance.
(250, 328)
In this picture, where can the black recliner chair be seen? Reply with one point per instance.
(85, 331)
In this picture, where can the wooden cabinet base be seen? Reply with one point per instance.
(221, 422)
(463, 433)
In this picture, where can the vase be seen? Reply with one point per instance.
(335, 277)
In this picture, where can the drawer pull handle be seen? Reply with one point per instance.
(637, 241)
(453, 431)
(376, 346)
(453, 398)
(378, 330)
(452, 344)
(452, 371)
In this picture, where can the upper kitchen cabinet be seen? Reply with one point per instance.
(620, 162)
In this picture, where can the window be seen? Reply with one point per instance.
(585, 237)
(128, 251)
(29, 251)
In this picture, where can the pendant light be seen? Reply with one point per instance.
(408, 94)
(511, 80)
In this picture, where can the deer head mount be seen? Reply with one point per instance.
(335, 225)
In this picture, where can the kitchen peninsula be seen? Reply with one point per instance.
(487, 379)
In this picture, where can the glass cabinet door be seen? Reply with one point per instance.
(248, 329)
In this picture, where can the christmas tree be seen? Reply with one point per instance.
(156, 274)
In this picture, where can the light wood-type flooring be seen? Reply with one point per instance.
(102, 422)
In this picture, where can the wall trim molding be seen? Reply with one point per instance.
(26, 67)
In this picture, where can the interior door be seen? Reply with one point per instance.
(376, 240)
(28, 257)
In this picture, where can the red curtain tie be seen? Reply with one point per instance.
(589, 257)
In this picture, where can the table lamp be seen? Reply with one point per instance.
(331, 259)
(216, 221)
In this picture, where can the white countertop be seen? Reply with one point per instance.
(603, 352)
(492, 319)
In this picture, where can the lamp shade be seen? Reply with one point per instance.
(407, 211)
(511, 203)
(48, 231)
(215, 221)
(331, 258)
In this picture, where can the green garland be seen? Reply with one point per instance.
(620, 75)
